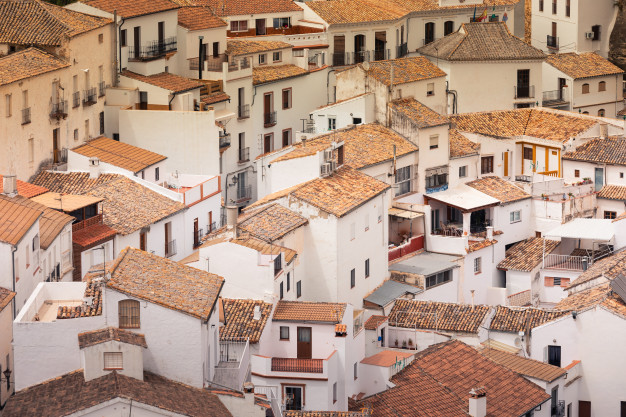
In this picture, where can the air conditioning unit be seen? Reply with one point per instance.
(328, 155)
(325, 170)
(589, 35)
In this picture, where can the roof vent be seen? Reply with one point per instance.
(9, 185)
(478, 402)
(257, 313)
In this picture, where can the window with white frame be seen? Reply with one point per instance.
(113, 360)
(478, 265)
(239, 26)
(276, 56)
(262, 59)
(332, 123)
(403, 180)
(430, 89)
(463, 171)
(282, 22)
(284, 333)
(515, 216)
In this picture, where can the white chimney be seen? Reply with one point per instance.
(489, 232)
(604, 130)
(478, 402)
(232, 212)
(94, 167)
(257, 313)
(9, 185)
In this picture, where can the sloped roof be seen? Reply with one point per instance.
(600, 295)
(16, 219)
(500, 189)
(263, 247)
(613, 192)
(526, 255)
(240, 322)
(405, 70)
(127, 9)
(119, 154)
(418, 113)
(270, 222)
(308, 311)
(585, 65)
(609, 268)
(165, 80)
(248, 7)
(271, 73)
(373, 322)
(489, 41)
(198, 18)
(35, 22)
(460, 146)
(6, 296)
(109, 334)
(236, 47)
(386, 358)
(522, 319)
(524, 366)
(439, 316)
(611, 150)
(26, 189)
(28, 63)
(167, 283)
(71, 182)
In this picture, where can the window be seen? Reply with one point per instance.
(610, 214)
(367, 268)
(486, 165)
(75, 134)
(577, 173)
(554, 355)
(286, 98)
(332, 123)
(448, 27)
(282, 22)
(478, 265)
(7, 105)
(123, 39)
(553, 6)
(403, 180)
(87, 129)
(430, 89)
(268, 143)
(601, 113)
(281, 291)
(585, 112)
(585, 88)
(439, 278)
(101, 38)
(299, 289)
(528, 153)
(515, 216)
(288, 281)
(334, 392)
(352, 278)
(567, 8)
(298, 52)
(284, 333)
(463, 171)
(541, 5)
(113, 360)
(434, 142)
(101, 120)
(278, 264)
(239, 26)
(276, 56)
(596, 32)
(621, 175)
(128, 314)
(156, 173)
(356, 370)
(262, 59)
(434, 179)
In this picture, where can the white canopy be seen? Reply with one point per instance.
(592, 229)
(464, 197)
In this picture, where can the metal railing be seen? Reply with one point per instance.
(381, 54)
(361, 56)
(479, 228)
(402, 50)
(232, 351)
(89, 97)
(523, 178)
(101, 88)
(214, 63)
(558, 410)
(269, 119)
(339, 59)
(271, 393)
(197, 237)
(244, 154)
(76, 99)
(549, 173)
(552, 96)
(170, 248)
(244, 193)
(552, 41)
(566, 262)
(243, 111)
(224, 140)
(59, 156)
(311, 366)
(152, 50)
(524, 91)
(59, 109)
(26, 115)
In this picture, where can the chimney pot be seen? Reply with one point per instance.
(94, 167)
(478, 402)
(232, 212)
(9, 185)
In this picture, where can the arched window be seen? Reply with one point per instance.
(602, 86)
(585, 88)
(585, 112)
(429, 33)
(601, 113)
(448, 27)
(128, 314)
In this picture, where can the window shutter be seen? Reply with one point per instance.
(113, 360)
(564, 282)
(549, 282)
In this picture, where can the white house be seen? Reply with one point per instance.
(6, 349)
(611, 201)
(478, 55)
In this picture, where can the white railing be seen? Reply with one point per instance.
(232, 352)
(271, 392)
(566, 262)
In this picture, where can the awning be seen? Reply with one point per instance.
(464, 197)
(405, 214)
(592, 229)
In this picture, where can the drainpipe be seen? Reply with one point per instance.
(13, 250)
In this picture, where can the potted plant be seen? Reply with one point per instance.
(404, 344)
(410, 343)
(571, 195)
(396, 342)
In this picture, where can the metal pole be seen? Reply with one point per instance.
(200, 60)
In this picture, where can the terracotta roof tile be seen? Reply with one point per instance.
(28, 63)
(271, 73)
(16, 219)
(386, 358)
(127, 9)
(108, 334)
(405, 70)
(240, 321)
(119, 154)
(309, 311)
(165, 80)
(291, 413)
(609, 268)
(270, 222)
(264, 247)
(35, 22)
(481, 42)
(198, 18)
(526, 255)
(583, 65)
(475, 245)
(521, 319)
(93, 290)
(71, 182)
(253, 46)
(6, 296)
(460, 146)
(540, 123)
(525, 366)
(167, 283)
(26, 189)
(373, 322)
(611, 150)
(419, 114)
(600, 295)
(500, 189)
(93, 235)
(215, 98)
(613, 192)
(437, 316)
(79, 395)
(248, 7)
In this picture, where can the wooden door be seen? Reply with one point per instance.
(584, 408)
(137, 41)
(339, 49)
(55, 145)
(210, 226)
(142, 241)
(161, 37)
(506, 164)
(216, 49)
(167, 238)
(196, 241)
(260, 27)
(554, 30)
(305, 347)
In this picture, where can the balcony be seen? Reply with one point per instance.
(244, 194)
(59, 156)
(310, 366)
(89, 97)
(101, 88)
(278, 367)
(558, 409)
(170, 248)
(234, 363)
(26, 116)
(381, 54)
(339, 59)
(402, 50)
(197, 237)
(524, 91)
(224, 140)
(553, 98)
(244, 155)
(361, 56)
(97, 219)
(243, 112)
(59, 110)
(152, 50)
(566, 262)
(269, 119)
(75, 99)
(552, 42)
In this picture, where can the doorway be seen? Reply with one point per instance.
(339, 50)
(599, 178)
(359, 48)
(55, 146)
(523, 83)
(137, 41)
(506, 164)
(584, 408)
(161, 37)
(293, 397)
(380, 45)
(305, 347)
(142, 241)
(260, 27)
(196, 237)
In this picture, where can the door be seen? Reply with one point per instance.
(267, 143)
(506, 164)
(599, 178)
(434, 221)
(382, 337)
(359, 48)
(305, 349)
(339, 50)
(429, 33)
(216, 49)
(267, 108)
(523, 83)
(161, 37)
(293, 398)
(210, 226)
(137, 41)
(55, 146)
(584, 408)
(196, 238)
(260, 27)
(622, 409)
(167, 238)
(380, 44)
(554, 400)
(142, 241)
(562, 84)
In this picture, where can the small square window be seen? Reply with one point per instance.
(276, 56)
(75, 134)
(284, 333)
(621, 175)
(113, 360)
(463, 171)
(434, 142)
(299, 289)
(577, 173)
(515, 216)
(262, 59)
(610, 214)
(430, 89)
(478, 265)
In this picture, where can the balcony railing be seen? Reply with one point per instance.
(58, 110)
(402, 50)
(361, 56)
(101, 88)
(269, 119)
(59, 156)
(552, 41)
(89, 97)
(244, 193)
(524, 91)
(152, 50)
(311, 366)
(339, 59)
(381, 54)
(558, 410)
(170, 248)
(97, 219)
(244, 154)
(566, 262)
(26, 116)
(550, 98)
(224, 140)
(76, 99)
(197, 237)
(243, 112)
(480, 227)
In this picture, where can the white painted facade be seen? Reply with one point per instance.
(93, 363)
(78, 162)
(6, 351)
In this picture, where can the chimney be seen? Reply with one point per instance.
(94, 168)
(478, 402)
(232, 212)
(604, 130)
(489, 232)
(257, 313)
(9, 185)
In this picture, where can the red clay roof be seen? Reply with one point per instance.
(386, 358)
(108, 334)
(93, 235)
(165, 80)
(373, 322)
(6, 296)
(132, 8)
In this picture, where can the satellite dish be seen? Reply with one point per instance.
(366, 66)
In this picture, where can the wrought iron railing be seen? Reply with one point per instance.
(244, 193)
(402, 50)
(552, 96)
(59, 109)
(269, 119)
(76, 99)
(26, 115)
(340, 59)
(558, 410)
(244, 154)
(170, 248)
(154, 49)
(243, 111)
(524, 91)
(89, 97)
(224, 140)
(552, 41)
(197, 237)
(381, 54)
(101, 88)
(311, 366)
